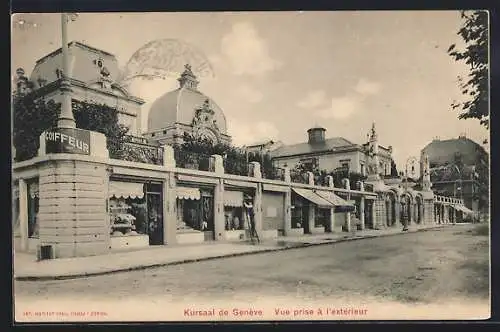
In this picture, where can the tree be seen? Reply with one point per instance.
(32, 116)
(474, 86)
(394, 170)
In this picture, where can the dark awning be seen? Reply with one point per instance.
(313, 198)
(334, 199)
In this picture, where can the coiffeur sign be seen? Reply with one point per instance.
(67, 140)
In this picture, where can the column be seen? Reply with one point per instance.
(288, 203)
(170, 209)
(257, 204)
(219, 227)
(23, 213)
(72, 208)
(312, 217)
(331, 222)
(397, 210)
(362, 207)
(348, 214)
(288, 213)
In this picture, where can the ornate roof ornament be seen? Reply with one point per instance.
(373, 133)
(188, 79)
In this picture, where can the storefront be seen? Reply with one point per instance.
(305, 203)
(135, 213)
(341, 206)
(273, 211)
(195, 214)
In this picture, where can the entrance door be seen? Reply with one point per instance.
(207, 217)
(155, 218)
(305, 218)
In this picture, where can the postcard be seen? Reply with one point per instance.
(250, 166)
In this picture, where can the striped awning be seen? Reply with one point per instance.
(188, 193)
(121, 189)
(314, 198)
(336, 200)
(233, 198)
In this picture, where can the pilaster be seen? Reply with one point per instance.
(72, 208)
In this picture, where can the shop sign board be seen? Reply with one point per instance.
(67, 140)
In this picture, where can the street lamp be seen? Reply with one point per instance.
(66, 118)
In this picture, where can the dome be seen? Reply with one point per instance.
(181, 106)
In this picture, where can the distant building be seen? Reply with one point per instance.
(459, 168)
(93, 76)
(330, 154)
(263, 146)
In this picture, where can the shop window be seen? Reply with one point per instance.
(127, 209)
(33, 202)
(194, 210)
(322, 217)
(233, 217)
(297, 221)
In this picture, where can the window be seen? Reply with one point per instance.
(127, 209)
(322, 217)
(33, 225)
(345, 165)
(164, 132)
(153, 135)
(362, 168)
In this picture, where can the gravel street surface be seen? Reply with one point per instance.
(442, 273)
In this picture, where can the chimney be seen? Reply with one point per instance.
(316, 135)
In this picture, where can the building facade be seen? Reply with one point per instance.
(93, 77)
(459, 168)
(330, 154)
(69, 203)
(186, 110)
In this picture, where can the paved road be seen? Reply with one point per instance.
(445, 266)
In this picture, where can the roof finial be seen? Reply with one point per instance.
(373, 132)
(188, 79)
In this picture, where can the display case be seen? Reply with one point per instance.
(121, 221)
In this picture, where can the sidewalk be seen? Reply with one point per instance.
(27, 268)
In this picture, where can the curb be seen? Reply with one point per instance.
(194, 260)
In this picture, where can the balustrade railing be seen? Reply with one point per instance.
(142, 153)
(274, 173)
(191, 160)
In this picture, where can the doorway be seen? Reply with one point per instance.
(207, 215)
(154, 203)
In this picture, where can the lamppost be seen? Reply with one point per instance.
(66, 118)
(406, 212)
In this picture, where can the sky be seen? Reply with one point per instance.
(276, 74)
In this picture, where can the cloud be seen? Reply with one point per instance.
(345, 106)
(250, 132)
(341, 108)
(314, 99)
(365, 87)
(246, 52)
(248, 94)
